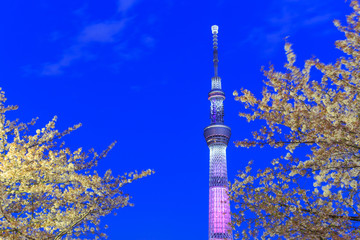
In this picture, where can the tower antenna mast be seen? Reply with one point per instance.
(215, 30)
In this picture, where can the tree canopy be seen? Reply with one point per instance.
(48, 191)
(315, 197)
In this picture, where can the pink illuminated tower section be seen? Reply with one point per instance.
(217, 136)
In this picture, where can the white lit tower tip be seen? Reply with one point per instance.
(214, 29)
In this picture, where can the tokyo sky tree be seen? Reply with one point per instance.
(217, 136)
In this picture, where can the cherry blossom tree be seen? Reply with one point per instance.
(314, 196)
(48, 191)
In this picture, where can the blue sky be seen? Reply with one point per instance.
(138, 72)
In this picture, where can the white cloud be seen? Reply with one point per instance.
(72, 54)
(148, 41)
(126, 5)
(108, 32)
(102, 32)
(286, 17)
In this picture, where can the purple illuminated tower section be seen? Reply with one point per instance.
(217, 136)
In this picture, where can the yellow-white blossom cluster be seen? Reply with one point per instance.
(50, 192)
(318, 197)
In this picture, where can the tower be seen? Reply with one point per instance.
(217, 136)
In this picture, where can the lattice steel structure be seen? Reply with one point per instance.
(217, 136)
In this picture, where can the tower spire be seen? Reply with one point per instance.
(215, 30)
